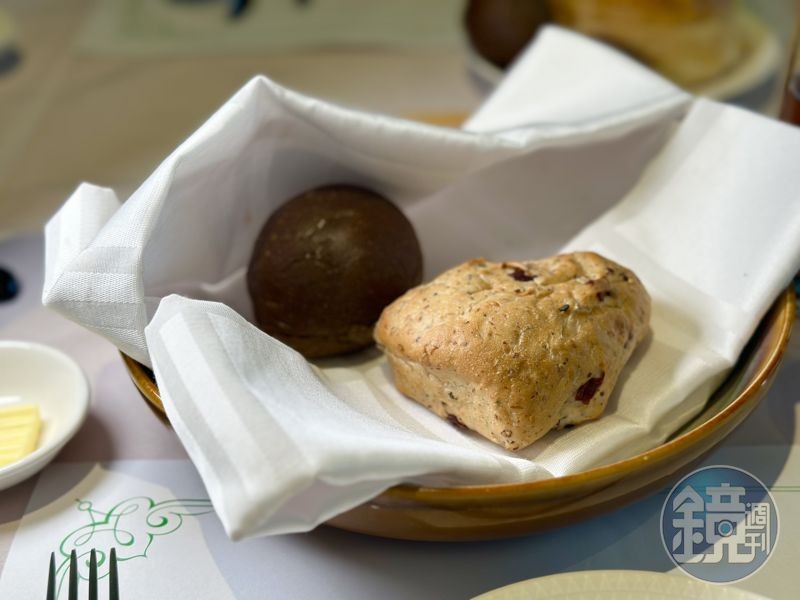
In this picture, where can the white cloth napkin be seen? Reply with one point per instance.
(579, 140)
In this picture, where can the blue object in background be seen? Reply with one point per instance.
(9, 288)
(9, 59)
(10, 55)
(797, 293)
(237, 7)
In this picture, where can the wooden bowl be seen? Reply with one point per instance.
(497, 511)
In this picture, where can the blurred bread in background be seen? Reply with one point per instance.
(689, 41)
(499, 29)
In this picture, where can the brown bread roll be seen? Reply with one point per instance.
(325, 265)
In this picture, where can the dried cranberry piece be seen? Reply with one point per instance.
(587, 391)
(456, 422)
(521, 275)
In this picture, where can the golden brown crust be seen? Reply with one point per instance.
(513, 350)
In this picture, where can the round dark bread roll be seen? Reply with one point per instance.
(325, 265)
(499, 29)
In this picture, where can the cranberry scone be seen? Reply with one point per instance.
(512, 350)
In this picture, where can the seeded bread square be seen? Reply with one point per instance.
(512, 350)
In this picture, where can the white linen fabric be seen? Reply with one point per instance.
(579, 143)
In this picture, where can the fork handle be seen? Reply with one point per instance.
(113, 583)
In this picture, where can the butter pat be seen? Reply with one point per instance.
(20, 425)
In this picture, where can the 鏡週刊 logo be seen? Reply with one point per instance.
(719, 524)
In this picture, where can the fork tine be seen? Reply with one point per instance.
(113, 583)
(51, 578)
(93, 575)
(73, 576)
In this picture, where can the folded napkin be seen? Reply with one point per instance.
(579, 143)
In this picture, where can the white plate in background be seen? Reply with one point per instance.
(616, 585)
(755, 69)
(49, 378)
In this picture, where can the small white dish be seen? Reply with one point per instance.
(49, 378)
(616, 585)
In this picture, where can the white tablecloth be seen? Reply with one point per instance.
(337, 564)
(41, 162)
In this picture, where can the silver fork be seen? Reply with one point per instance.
(72, 584)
